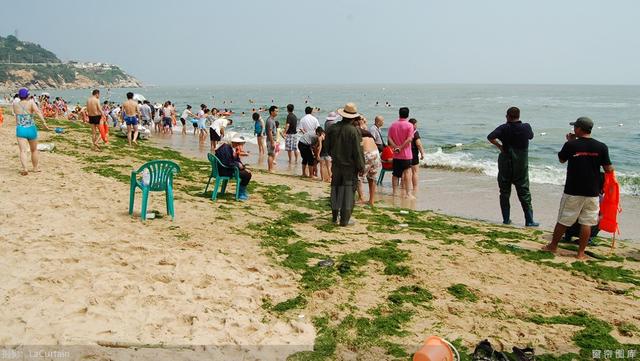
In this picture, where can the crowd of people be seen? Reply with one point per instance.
(346, 151)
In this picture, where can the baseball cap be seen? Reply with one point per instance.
(584, 123)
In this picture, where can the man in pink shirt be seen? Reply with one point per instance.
(400, 136)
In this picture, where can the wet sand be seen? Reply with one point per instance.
(465, 194)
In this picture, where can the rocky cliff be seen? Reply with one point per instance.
(27, 64)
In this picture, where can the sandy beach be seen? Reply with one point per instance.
(233, 280)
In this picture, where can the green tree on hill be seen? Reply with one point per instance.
(16, 51)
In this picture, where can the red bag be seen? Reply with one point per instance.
(387, 158)
(610, 205)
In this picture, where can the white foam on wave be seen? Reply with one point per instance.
(541, 174)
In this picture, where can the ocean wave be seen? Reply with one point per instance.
(543, 174)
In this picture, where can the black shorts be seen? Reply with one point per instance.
(167, 121)
(95, 119)
(415, 160)
(399, 166)
(214, 136)
(183, 121)
(306, 154)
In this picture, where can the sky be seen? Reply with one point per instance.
(189, 42)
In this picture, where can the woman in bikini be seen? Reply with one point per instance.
(26, 130)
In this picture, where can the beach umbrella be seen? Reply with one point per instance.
(139, 97)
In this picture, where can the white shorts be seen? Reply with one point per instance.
(583, 209)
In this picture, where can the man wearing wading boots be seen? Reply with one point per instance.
(512, 139)
(343, 144)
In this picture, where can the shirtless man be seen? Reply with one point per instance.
(94, 111)
(130, 117)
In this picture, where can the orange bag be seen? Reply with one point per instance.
(1, 116)
(104, 131)
(610, 205)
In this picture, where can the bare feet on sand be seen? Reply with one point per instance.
(581, 257)
(550, 248)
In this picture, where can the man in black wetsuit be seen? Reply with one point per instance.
(512, 139)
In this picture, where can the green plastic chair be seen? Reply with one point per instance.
(381, 176)
(160, 179)
(220, 179)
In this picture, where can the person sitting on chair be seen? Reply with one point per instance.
(229, 155)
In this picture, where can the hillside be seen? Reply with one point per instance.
(28, 64)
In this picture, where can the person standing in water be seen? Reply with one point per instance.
(512, 139)
(417, 151)
(270, 130)
(130, 117)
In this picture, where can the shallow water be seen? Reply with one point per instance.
(453, 119)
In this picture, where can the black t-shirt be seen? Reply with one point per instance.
(292, 120)
(585, 156)
(414, 145)
(514, 135)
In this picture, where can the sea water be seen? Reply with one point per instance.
(453, 120)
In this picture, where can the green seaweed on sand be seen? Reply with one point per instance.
(511, 235)
(387, 253)
(627, 329)
(573, 247)
(596, 270)
(594, 335)
(275, 194)
(593, 269)
(462, 293)
(297, 302)
(325, 344)
(438, 225)
(525, 254)
(109, 172)
(326, 227)
(277, 235)
(414, 295)
(361, 333)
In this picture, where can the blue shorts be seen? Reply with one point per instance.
(167, 122)
(29, 133)
(131, 120)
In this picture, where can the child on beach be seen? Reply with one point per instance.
(279, 137)
(167, 118)
(258, 129)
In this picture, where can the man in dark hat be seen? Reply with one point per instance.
(581, 189)
(344, 146)
(512, 139)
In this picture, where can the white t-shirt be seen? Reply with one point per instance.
(145, 112)
(308, 124)
(185, 114)
(219, 123)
